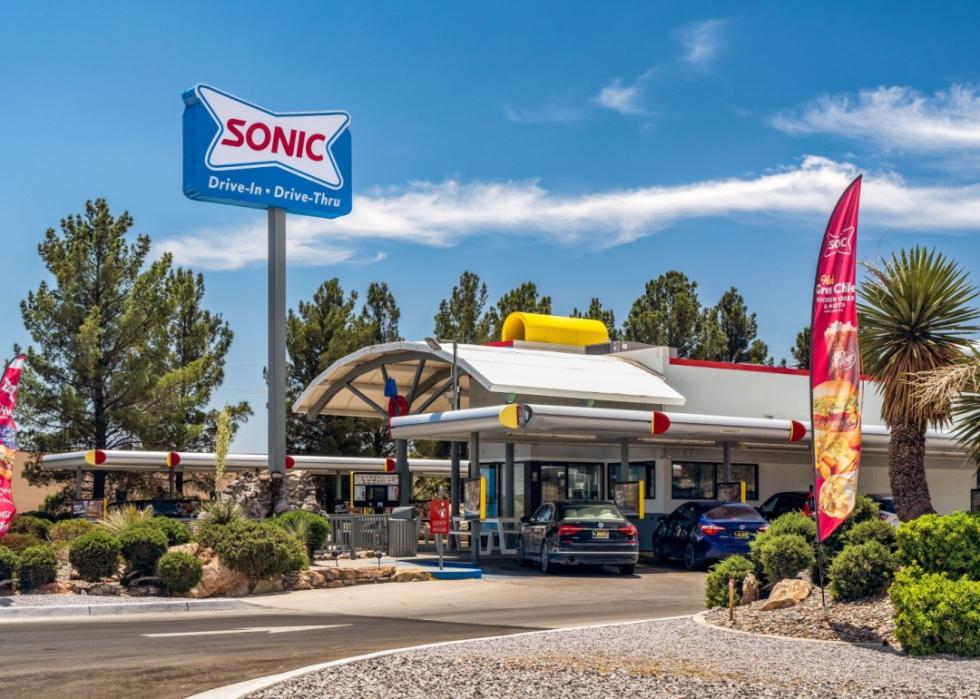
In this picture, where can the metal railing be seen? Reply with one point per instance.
(372, 532)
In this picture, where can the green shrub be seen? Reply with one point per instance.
(716, 584)
(871, 530)
(314, 532)
(179, 571)
(783, 556)
(8, 563)
(95, 555)
(942, 544)
(142, 547)
(258, 550)
(20, 542)
(865, 510)
(26, 524)
(119, 520)
(861, 570)
(38, 566)
(793, 523)
(934, 614)
(176, 532)
(69, 529)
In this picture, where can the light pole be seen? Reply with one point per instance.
(454, 477)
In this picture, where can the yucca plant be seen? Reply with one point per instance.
(221, 512)
(300, 528)
(915, 316)
(117, 521)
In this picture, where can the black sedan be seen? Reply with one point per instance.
(578, 532)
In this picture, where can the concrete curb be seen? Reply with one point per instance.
(242, 689)
(74, 610)
(702, 621)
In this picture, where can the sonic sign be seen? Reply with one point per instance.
(238, 153)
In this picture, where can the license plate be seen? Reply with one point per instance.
(742, 535)
(600, 533)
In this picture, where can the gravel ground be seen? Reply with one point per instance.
(668, 658)
(865, 621)
(55, 600)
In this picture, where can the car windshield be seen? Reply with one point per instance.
(739, 512)
(591, 511)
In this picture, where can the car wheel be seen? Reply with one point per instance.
(521, 559)
(691, 559)
(547, 567)
(628, 569)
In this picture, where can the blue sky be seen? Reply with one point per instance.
(587, 147)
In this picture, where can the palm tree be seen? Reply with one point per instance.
(915, 315)
(959, 384)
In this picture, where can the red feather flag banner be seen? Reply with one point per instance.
(835, 368)
(8, 440)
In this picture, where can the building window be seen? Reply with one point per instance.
(748, 473)
(583, 482)
(645, 471)
(692, 481)
(699, 481)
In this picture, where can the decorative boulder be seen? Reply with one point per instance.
(750, 589)
(254, 493)
(218, 579)
(787, 593)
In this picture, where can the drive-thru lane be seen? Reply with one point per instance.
(175, 655)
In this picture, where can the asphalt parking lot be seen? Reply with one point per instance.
(174, 655)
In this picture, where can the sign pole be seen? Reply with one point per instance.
(277, 346)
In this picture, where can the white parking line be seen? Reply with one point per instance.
(253, 629)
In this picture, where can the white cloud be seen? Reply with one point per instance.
(620, 98)
(702, 41)
(446, 213)
(549, 114)
(895, 117)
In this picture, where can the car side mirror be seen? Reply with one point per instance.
(525, 520)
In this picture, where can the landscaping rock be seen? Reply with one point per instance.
(145, 591)
(58, 587)
(218, 580)
(8, 586)
(787, 593)
(106, 589)
(268, 585)
(411, 576)
(750, 589)
(254, 493)
(193, 549)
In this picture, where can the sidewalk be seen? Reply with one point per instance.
(29, 606)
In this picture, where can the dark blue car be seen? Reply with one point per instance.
(704, 531)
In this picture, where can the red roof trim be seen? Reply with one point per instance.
(704, 363)
(499, 343)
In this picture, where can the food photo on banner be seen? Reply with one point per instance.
(8, 440)
(835, 375)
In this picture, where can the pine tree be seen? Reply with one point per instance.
(462, 317)
(595, 311)
(381, 314)
(801, 350)
(740, 330)
(667, 314)
(125, 355)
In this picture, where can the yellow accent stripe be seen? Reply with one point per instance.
(643, 497)
(90, 457)
(508, 416)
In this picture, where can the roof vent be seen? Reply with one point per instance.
(557, 330)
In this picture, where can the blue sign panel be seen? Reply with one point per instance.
(238, 153)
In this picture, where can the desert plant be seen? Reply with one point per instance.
(69, 529)
(142, 547)
(861, 570)
(783, 556)
(177, 532)
(19, 542)
(871, 530)
(38, 565)
(26, 524)
(942, 544)
(259, 551)
(117, 521)
(917, 315)
(222, 439)
(716, 584)
(936, 614)
(179, 571)
(8, 563)
(95, 555)
(221, 512)
(309, 527)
